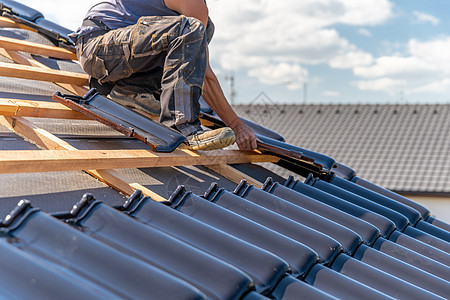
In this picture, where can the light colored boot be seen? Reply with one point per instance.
(211, 139)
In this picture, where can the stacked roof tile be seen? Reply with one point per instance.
(400, 147)
(332, 235)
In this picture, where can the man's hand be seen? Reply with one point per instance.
(245, 138)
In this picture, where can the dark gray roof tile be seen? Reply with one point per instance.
(380, 142)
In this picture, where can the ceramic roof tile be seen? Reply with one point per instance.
(382, 269)
(380, 142)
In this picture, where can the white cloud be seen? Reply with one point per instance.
(261, 34)
(368, 12)
(289, 75)
(421, 17)
(331, 94)
(395, 66)
(364, 32)
(434, 52)
(351, 59)
(439, 86)
(424, 68)
(381, 84)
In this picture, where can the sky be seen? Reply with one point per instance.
(319, 51)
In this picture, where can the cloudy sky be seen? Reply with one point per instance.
(342, 51)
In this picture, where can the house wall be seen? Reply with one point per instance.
(438, 205)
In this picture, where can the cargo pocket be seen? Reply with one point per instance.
(98, 69)
(153, 35)
(116, 68)
(94, 66)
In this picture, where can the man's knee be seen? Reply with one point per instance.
(194, 29)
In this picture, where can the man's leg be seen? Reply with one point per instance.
(150, 81)
(183, 76)
(178, 45)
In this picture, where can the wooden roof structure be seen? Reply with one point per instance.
(14, 113)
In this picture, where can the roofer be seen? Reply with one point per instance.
(153, 55)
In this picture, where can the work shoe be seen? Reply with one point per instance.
(145, 102)
(210, 140)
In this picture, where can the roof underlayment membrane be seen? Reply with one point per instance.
(68, 235)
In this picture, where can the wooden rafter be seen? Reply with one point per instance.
(38, 136)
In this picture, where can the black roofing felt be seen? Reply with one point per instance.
(333, 237)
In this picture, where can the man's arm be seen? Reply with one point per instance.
(212, 91)
(214, 97)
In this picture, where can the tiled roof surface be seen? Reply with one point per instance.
(319, 238)
(281, 241)
(400, 147)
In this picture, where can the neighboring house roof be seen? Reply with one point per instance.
(324, 238)
(404, 148)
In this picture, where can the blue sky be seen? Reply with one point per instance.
(345, 51)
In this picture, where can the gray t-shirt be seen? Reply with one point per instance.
(121, 13)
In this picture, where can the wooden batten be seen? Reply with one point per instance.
(36, 48)
(234, 175)
(37, 109)
(123, 184)
(26, 161)
(19, 58)
(8, 23)
(8, 108)
(36, 73)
